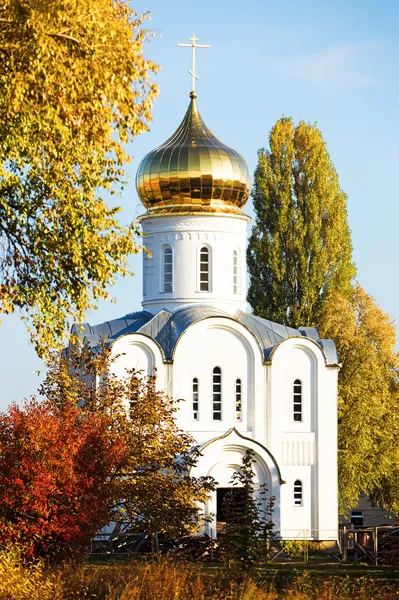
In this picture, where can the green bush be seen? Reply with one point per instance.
(299, 547)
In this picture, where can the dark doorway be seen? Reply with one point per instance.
(238, 496)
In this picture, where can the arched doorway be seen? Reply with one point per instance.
(221, 457)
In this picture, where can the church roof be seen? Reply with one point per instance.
(166, 328)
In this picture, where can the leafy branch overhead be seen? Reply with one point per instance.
(74, 88)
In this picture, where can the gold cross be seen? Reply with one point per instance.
(193, 46)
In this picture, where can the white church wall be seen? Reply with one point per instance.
(186, 235)
(297, 519)
(294, 361)
(326, 450)
(224, 343)
(139, 352)
(304, 450)
(308, 448)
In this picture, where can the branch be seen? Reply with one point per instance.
(55, 35)
(63, 36)
(357, 367)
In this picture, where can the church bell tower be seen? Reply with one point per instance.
(194, 188)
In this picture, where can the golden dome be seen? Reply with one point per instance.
(193, 172)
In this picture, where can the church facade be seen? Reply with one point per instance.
(246, 382)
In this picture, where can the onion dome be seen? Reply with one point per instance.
(193, 172)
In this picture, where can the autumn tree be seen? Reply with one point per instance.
(368, 398)
(56, 470)
(152, 485)
(300, 247)
(74, 88)
(157, 489)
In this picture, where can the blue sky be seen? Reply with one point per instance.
(330, 62)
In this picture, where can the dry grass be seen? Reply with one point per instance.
(21, 583)
(165, 580)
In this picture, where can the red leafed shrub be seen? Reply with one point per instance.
(56, 467)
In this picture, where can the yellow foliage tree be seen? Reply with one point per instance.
(368, 408)
(74, 88)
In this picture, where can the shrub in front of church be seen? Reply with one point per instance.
(299, 547)
(249, 526)
(55, 468)
(153, 488)
(97, 449)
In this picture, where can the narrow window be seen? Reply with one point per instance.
(238, 399)
(134, 395)
(195, 399)
(298, 493)
(297, 400)
(217, 394)
(235, 272)
(204, 269)
(167, 270)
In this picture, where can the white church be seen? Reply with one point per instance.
(247, 382)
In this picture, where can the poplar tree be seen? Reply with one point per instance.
(300, 261)
(300, 247)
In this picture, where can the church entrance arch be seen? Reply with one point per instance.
(220, 458)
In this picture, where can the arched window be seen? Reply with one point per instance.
(195, 399)
(217, 394)
(238, 399)
(298, 493)
(204, 269)
(167, 270)
(297, 397)
(235, 272)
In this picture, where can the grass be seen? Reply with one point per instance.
(333, 570)
(167, 580)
